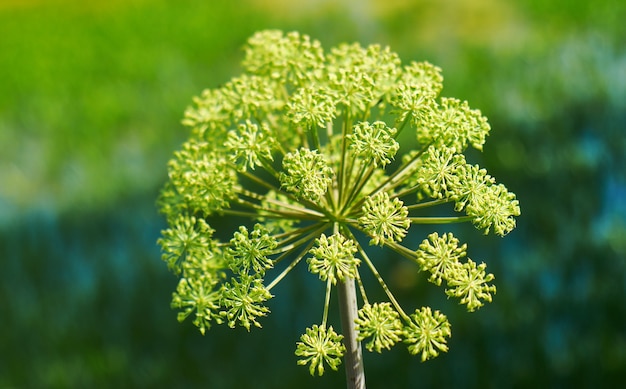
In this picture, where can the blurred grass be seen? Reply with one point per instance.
(91, 95)
(91, 92)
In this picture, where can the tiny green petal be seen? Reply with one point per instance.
(496, 208)
(203, 177)
(427, 333)
(243, 301)
(333, 258)
(469, 282)
(248, 253)
(383, 67)
(416, 91)
(473, 183)
(380, 322)
(250, 145)
(198, 295)
(438, 254)
(292, 57)
(438, 174)
(354, 89)
(312, 107)
(384, 219)
(374, 142)
(210, 114)
(453, 124)
(423, 75)
(412, 102)
(188, 237)
(252, 96)
(306, 174)
(319, 346)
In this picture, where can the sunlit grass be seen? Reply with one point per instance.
(91, 93)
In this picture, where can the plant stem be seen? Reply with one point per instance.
(353, 360)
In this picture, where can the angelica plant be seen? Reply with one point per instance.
(304, 145)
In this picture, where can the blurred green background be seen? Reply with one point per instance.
(91, 97)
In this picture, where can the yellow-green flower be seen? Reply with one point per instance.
(296, 162)
(318, 347)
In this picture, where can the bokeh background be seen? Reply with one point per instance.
(91, 97)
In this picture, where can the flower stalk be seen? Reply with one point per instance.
(353, 359)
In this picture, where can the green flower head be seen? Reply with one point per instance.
(437, 255)
(318, 347)
(384, 218)
(296, 163)
(333, 258)
(374, 142)
(427, 332)
(469, 282)
(381, 323)
(242, 300)
(306, 174)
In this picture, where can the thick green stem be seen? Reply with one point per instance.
(353, 359)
